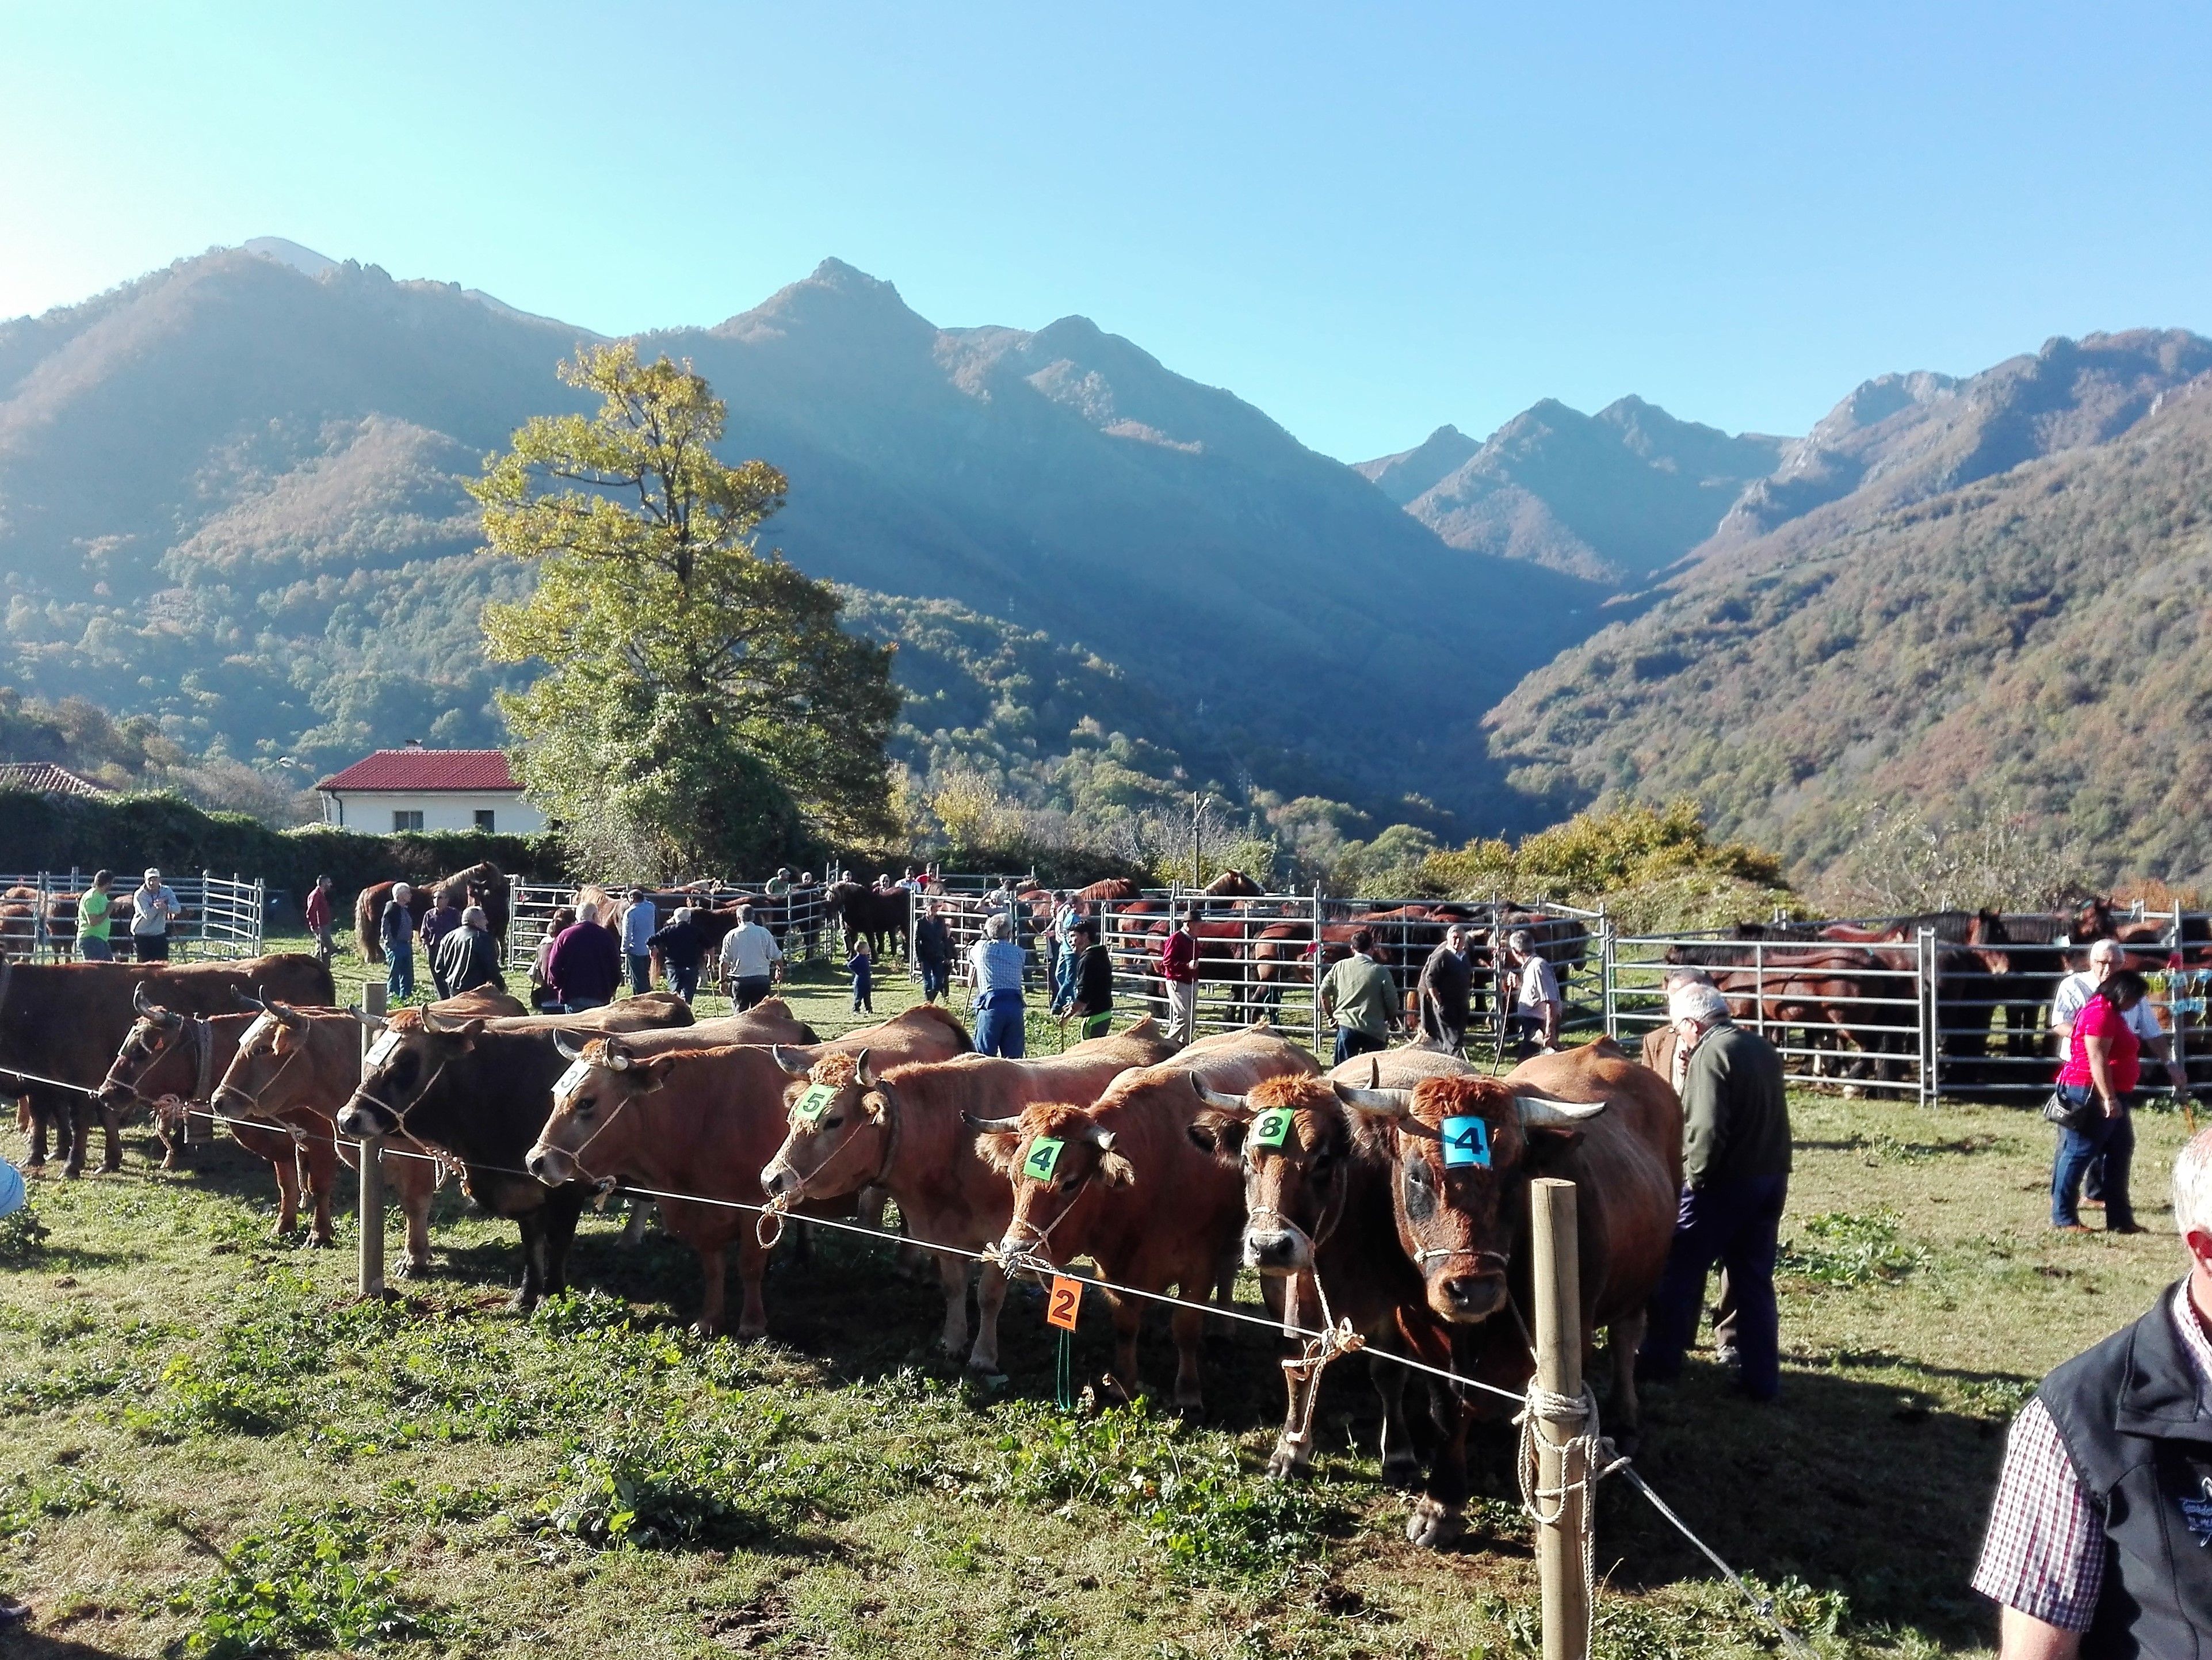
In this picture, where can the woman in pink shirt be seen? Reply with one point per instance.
(2103, 1061)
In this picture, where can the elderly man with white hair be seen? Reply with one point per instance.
(395, 932)
(994, 966)
(2100, 1539)
(2107, 958)
(1536, 1002)
(468, 957)
(1735, 1178)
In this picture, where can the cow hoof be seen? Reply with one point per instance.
(752, 1334)
(111, 1166)
(1284, 1464)
(1434, 1526)
(321, 1241)
(1402, 1472)
(523, 1301)
(407, 1269)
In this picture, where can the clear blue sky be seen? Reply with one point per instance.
(1367, 220)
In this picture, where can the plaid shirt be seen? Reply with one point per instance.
(2045, 1554)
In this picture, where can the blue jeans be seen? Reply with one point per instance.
(1063, 979)
(95, 950)
(934, 978)
(1733, 1224)
(1350, 1042)
(999, 1029)
(641, 973)
(2110, 1143)
(399, 974)
(683, 982)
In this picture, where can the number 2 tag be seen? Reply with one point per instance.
(1043, 1159)
(1467, 1143)
(1064, 1304)
(386, 1046)
(1272, 1129)
(814, 1102)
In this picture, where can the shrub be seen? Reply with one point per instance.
(299, 1586)
(1842, 1250)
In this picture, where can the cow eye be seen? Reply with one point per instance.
(1420, 1190)
(835, 1122)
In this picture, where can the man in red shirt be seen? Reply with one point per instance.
(319, 919)
(1179, 979)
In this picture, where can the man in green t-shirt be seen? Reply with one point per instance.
(93, 907)
(1359, 995)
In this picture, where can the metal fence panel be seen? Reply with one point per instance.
(223, 916)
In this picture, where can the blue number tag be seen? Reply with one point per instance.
(1467, 1143)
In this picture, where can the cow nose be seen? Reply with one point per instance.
(546, 1165)
(1474, 1295)
(361, 1121)
(776, 1179)
(1270, 1250)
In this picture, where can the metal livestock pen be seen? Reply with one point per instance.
(223, 915)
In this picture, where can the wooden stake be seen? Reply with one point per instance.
(1559, 1465)
(372, 1168)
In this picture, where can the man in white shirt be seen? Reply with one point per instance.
(750, 959)
(2107, 958)
(152, 906)
(1536, 1005)
(639, 922)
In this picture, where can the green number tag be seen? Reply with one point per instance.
(814, 1102)
(1043, 1160)
(1271, 1129)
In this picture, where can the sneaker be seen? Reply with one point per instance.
(13, 1614)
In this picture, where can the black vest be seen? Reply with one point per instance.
(2137, 1423)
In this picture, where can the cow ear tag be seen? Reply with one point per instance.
(1466, 1144)
(1272, 1129)
(813, 1102)
(1043, 1159)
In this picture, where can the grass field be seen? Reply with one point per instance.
(216, 1450)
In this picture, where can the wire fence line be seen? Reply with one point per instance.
(222, 916)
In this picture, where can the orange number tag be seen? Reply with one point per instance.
(1065, 1301)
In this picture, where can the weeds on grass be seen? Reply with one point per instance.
(60, 1492)
(1197, 1505)
(23, 1239)
(1844, 1249)
(300, 1586)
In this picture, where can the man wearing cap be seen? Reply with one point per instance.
(639, 923)
(1735, 1177)
(2107, 958)
(152, 906)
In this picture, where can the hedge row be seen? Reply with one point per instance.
(62, 833)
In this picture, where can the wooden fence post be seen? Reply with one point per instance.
(371, 1167)
(1560, 1458)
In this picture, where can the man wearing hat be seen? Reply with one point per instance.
(1735, 1177)
(152, 906)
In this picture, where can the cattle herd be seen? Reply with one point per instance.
(1389, 1195)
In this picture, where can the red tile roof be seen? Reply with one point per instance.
(426, 769)
(47, 779)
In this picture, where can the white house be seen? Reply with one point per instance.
(423, 789)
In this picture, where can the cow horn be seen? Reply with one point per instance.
(290, 1017)
(1101, 1140)
(789, 1062)
(568, 1051)
(139, 1001)
(1384, 1103)
(1215, 1099)
(861, 1075)
(991, 1126)
(613, 1056)
(244, 997)
(1538, 1113)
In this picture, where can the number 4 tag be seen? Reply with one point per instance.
(1467, 1143)
(1043, 1159)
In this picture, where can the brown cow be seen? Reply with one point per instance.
(65, 1022)
(1590, 1115)
(703, 1121)
(1317, 1195)
(170, 1060)
(1120, 1181)
(902, 1130)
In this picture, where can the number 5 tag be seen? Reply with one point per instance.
(1043, 1159)
(812, 1105)
(1064, 1304)
(1467, 1143)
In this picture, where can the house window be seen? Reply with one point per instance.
(484, 820)
(405, 820)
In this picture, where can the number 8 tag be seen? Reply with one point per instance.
(812, 1105)
(1272, 1129)
(1466, 1144)
(1043, 1159)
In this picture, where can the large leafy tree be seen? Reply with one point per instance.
(701, 708)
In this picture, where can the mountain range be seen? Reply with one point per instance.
(229, 498)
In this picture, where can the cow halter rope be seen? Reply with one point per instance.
(768, 1228)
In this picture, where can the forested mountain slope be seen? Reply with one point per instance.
(2037, 642)
(229, 496)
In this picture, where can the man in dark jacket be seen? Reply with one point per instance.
(1735, 1175)
(932, 952)
(468, 957)
(2100, 1541)
(442, 919)
(682, 948)
(1447, 984)
(586, 965)
(1094, 982)
(395, 931)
